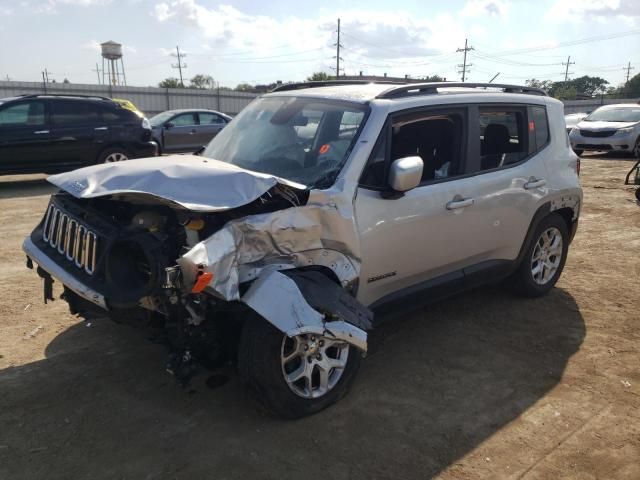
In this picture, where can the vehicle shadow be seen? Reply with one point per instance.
(438, 382)
(622, 156)
(24, 186)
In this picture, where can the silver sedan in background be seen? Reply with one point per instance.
(186, 131)
(609, 128)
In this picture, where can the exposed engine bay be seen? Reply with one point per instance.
(199, 273)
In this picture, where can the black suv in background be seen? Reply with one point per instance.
(53, 133)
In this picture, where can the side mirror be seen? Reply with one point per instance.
(169, 125)
(405, 173)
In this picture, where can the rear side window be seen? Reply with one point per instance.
(116, 114)
(186, 119)
(75, 113)
(503, 138)
(23, 114)
(538, 128)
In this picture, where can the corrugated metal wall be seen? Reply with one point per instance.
(148, 99)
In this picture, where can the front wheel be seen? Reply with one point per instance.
(544, 259)
(293, 377)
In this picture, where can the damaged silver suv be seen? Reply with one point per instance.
(318, 205)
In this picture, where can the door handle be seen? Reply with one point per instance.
(41, 132)
(535, 183)
(192, 132)
(101, 128)
(459, 203)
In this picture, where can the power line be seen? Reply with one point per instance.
(179, 65)
(464, 62)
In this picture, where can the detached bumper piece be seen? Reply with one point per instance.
(300, 302)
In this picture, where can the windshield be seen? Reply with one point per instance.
(627, 114)
(305, 140)
(159, 119)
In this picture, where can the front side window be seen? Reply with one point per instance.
(74, 113)
(23, 114)
(184, 120)
(210, 119)
(306, 140)
(502, 137)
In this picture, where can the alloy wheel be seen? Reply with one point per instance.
(547, 256)
(115, 157)
(312, 365)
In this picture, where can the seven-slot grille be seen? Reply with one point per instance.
(71, 238)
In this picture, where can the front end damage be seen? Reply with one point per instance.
(195, 254)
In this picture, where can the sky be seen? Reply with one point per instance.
(251, 41)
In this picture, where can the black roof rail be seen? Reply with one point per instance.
(329, 83)
(68, 95)
(410, 90)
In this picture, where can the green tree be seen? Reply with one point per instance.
(244, 87)
(589, 85)
(202, 81)
(433, 78)
(319, 77)
(543, 84)
(632, 87)
(564, 92)
(170, 83)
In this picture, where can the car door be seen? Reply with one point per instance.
(509, 173)
(76, 132)
(25, 137)
(210, 124)
(429, 234)
(180, 133)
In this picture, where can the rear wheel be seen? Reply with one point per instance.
(544, 259)
(578, 152)
(293, 377)
(112, 155)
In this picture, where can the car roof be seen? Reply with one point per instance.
(186, 110)
(367, 92)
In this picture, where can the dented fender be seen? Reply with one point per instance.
(278, 298)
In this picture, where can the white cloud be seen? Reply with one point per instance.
(91, 45)
(50, 6)
(627, 11)
(494, 8)
(5, 11)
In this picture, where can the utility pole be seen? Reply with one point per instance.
(45, 75)
(464, 61)
(566, 72)
(338, 45)
(44, 82)
(97, 70)
(628, 69)
(179, 65)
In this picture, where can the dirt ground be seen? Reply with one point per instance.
(484, 385)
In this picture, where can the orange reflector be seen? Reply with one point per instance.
(324, 149)
(195, 224)
(202, 281)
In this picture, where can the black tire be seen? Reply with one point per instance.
(106, 155)
(578, 152)
(260, 367)
(522, 281)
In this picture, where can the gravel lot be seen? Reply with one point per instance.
(484, 385)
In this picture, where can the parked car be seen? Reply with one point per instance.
(572, 119)
(186, 130)
(609, 128)
(54, 133)
(316, 210)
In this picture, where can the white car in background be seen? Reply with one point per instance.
(608, 128)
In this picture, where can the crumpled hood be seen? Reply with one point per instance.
(601, 125)
(196, 183)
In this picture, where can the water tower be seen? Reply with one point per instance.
(113, 74)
